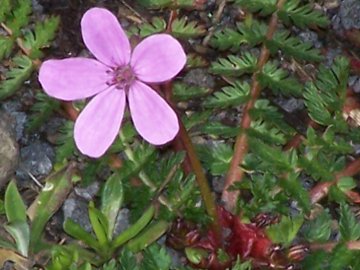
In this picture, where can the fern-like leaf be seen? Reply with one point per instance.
(5, 9)
(293, 47)
(327, 94)
(266, 133)
(19, 17)
(6, 46)
(156, 4)
(182, 91)
(264, 7)
(157, 25)
(230, 96)
(278, 80)
(181, 28)
(251, 34)
(234, 65)
(302, 15)
(42, 110)
(65, 142)
(18, 73)
(217, 129)
(43, 33)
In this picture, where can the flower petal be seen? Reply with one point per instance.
(158, 58)
(153, 118)
(105, 38)
(99, 123)
(73, 78)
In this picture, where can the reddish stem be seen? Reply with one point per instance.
(235, 172)
(320, 190)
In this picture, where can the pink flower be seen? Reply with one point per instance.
(117, 77)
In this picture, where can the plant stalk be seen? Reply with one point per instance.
(235, 172)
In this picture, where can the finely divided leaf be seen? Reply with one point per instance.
(181, 28)
(251, 34)
(293, 47)
(234, 65)
(302, 15)
(20, 72)
(230, 96)
(349, 225)
(279, 80)
(265, 7)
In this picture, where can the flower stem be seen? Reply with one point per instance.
(235, 172)
(191, 156)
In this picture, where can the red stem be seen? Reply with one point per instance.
(235, 172)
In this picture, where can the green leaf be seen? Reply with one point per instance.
(6, 46)
(183, 91)
(261, 130)
(181, 28)
(349, 227)
(76, 231)
(50, 199)
(111, 201)
(293, 47)
(157, 25)
(19, 17)
(230, 96)
(264, 7)
(43, 33)
(156, 4)
(16, 75)
(325, 97)
(316, 105)
(99, 225)
(346, 183)
(216, 158)
(302, 15)
(15, 208)
(246, 33)
(285, 231)
(20, 231)
(5, 9)
(234, 65)
(293, 187)
(156, 258)
(271, 156)
(279, 80)
(242, 265)
(340, 258)
(65, 142)
(318, 229)
(42, 110)
(127, 260)
(216, 129)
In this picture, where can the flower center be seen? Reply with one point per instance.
(122, 77)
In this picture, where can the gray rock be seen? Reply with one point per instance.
(350, 14)
(13, 108)
(122, 221)
(199, 77)
(354, 83)
(77, 210)
(37, 159)
(290, 105)
(88, 193)
(311, 37)
(9, 152)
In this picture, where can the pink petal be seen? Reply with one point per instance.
(158, 58)
(153, 118)
(99, 123)
(105, 38)
(73, 78)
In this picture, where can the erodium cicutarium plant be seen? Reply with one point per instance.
(117, 76)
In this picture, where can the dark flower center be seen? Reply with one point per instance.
(122, 77)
